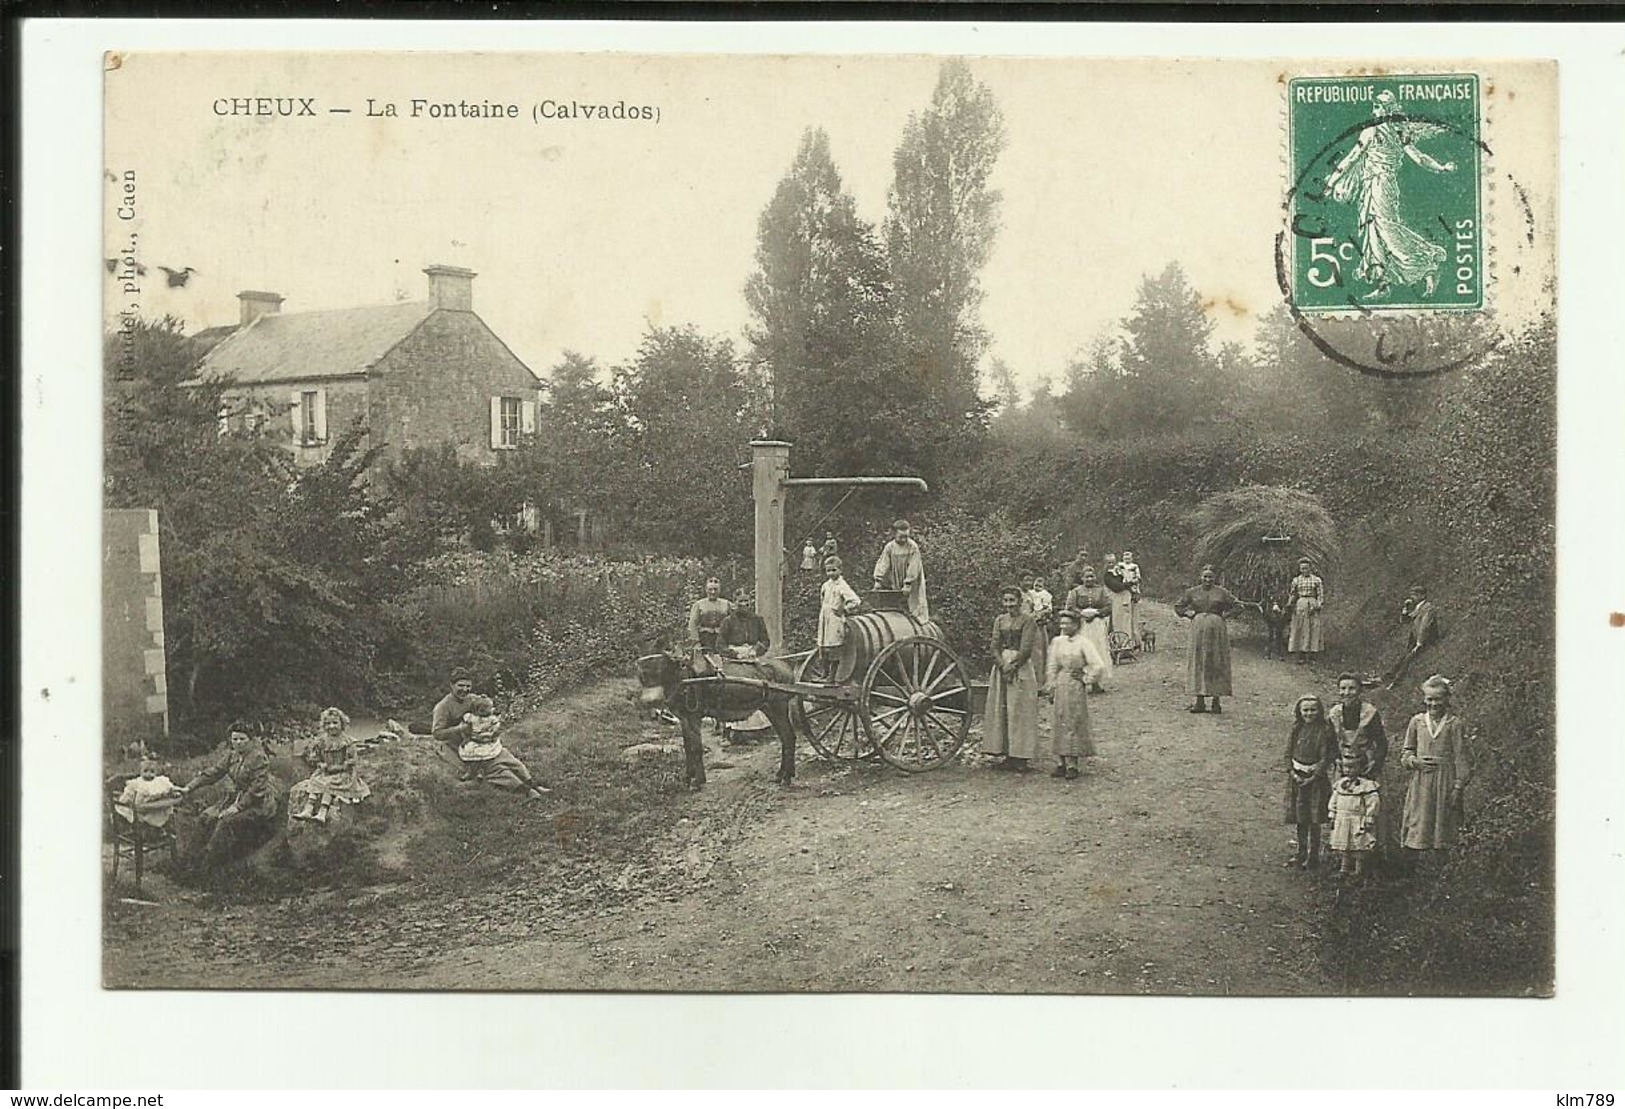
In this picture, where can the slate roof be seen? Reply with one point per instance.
(300, 345)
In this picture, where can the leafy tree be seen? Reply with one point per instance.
(823, 324)
(442, 498)
(691, 409)
(941, 220)
(271, 573)
(1032, 422)
(578, 458)
(1297, 387)
(1169, 376)
(1001, 379)
(1093, 381)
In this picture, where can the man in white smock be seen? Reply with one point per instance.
(900, 567)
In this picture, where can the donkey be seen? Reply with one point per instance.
(726, 690)
(1276, 621)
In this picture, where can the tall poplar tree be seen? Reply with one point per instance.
(942, 218)
(823, 323)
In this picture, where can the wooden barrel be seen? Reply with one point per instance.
(869, 632)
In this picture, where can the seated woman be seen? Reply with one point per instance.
(246, 812)
(488, 760)
(334, 754)
(705, 616)
(744, 636)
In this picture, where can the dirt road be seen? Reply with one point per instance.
(1158, 872)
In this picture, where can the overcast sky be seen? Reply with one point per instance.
(585, 231)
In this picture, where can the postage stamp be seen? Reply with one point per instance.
(1385, 204)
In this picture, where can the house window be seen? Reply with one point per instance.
(510, 421)
(511, 418)
(310, 417)
(307, 417)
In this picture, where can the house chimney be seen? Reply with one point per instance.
(451, 287)
(256, 304)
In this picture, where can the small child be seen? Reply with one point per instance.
(336, 778)
(484, 731)
(142, 796)
(1129, 571)
(488, 759)
(1353, 811)
(835, 600)
(1311, 750)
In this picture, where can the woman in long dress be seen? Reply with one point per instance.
(1306, 596)
(1207, 659)
(1123, 605)
(1074, 662)
(1435, 753)
(1010, 727)
(1093, 604)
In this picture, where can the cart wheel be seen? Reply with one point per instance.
(834, 730)
(916, 700)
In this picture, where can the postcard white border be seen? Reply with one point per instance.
(76, 1035)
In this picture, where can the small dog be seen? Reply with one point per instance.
(1148, 639)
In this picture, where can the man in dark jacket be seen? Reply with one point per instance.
(446, 725)
(744, 632)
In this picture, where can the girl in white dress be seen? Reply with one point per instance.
(1074, 663)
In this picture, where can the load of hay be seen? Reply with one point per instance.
(1255, 535)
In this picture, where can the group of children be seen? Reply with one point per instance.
(1333, 777)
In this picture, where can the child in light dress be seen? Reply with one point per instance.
(149, 798)
(1355, 803)
(1436, 759)
(484, 730)
(490, 762)
(1129, 571)
(836, 600)
(336, 779)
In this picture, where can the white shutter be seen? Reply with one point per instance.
(224, 421)
(321, 415)
(527, 417)
(496, 423)
(298, 417)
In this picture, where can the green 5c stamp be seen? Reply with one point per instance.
(1385, 208)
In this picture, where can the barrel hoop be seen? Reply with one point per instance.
(869, 633)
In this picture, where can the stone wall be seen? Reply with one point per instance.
(436, 386)
(272, 405)
(135, 696)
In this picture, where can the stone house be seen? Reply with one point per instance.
(419, 373)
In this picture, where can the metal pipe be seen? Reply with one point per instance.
(916, 482)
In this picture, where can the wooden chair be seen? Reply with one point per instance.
(135, 839)
(1123, 647)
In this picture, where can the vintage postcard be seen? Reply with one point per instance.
(829, 523)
